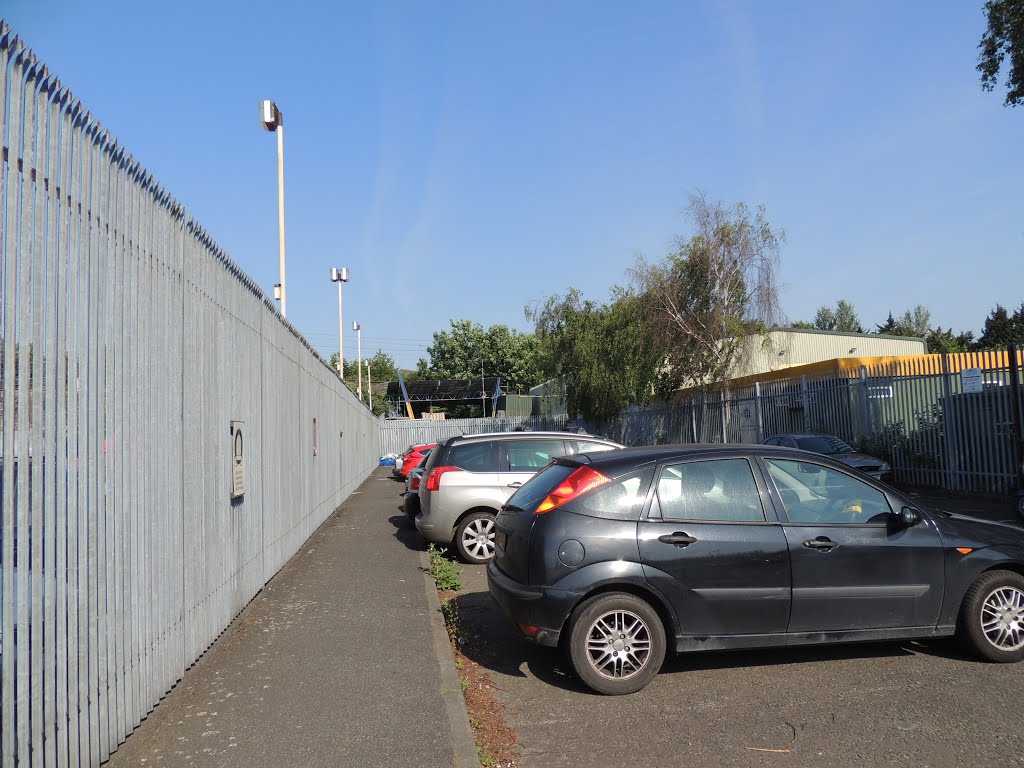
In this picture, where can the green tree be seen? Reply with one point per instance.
(459, 352)
(889, 327)
(914, 322)
(802, 325)
(1002, 328)
(843, 318)
(605, 355)
(944, 342)
(712, 291)
(382, 367)
(1003, 38)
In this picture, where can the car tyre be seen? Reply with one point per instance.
(411, 505)
(992, 616)
(616, 665)
(474, 538)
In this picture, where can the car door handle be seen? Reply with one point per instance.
(514, 485)
(679, 539)
(822, 542)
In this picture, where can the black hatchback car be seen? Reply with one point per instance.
(616, 555)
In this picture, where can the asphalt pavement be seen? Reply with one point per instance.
(342, 660)
(879, 704)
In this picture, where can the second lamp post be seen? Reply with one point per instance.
(359, 352)
(339, 276)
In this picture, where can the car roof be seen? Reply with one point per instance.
(635, 457)
(526, 436)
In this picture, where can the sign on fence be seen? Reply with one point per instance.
(237, 459)
(970, 380)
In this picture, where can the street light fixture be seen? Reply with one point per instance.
(359, 359)
(273, 120)
(339, 276)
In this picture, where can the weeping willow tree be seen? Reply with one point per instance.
(712, 293)
(602, 353)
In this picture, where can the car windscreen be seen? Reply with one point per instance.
(534, 490)
(823, 444)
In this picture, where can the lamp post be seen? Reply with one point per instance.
(369, 388)
(339, 276)
(359, 358)
(273, 120)
(483, 392)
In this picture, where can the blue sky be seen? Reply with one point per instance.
(464, 159)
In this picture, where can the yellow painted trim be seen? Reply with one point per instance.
(901, 365)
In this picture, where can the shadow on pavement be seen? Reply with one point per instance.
(492, 642)
(405, 532)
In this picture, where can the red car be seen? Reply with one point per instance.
(412, 457)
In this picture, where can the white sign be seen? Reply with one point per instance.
(970, 380)
(237, 459)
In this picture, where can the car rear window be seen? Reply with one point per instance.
(589, 446)
(475, 457)
(534, 490)
(823, 444)
(621, 499)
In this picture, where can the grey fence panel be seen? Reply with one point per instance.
(912, 412)
(129, 343)
(397, 435)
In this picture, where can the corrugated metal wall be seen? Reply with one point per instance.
(130, 342)
(781, 349)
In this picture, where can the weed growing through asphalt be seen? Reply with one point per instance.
(446, 574)
(450, 613)
(487, 733)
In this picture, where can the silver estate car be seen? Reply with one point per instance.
(468, 478)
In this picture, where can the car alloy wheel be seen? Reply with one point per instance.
(1002, 618)
(616, 642)
(475, 538)
(992, 616)
(618, 645)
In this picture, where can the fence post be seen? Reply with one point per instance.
(949, 432)
(1015, 415)
(806, 403)
(721, 396)
(865, 403)
(757, 411)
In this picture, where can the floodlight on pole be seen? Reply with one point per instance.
(339, 275)
(273, 120)
(359, 359)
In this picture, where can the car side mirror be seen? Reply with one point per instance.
(909, 516)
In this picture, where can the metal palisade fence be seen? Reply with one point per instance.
(397, 435)
(951, 421)
(167, 440)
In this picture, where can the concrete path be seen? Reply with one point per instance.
(342, 660)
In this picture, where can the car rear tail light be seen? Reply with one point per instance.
(434, 478)
(582, 481)
(414, 484)
(528, 629)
